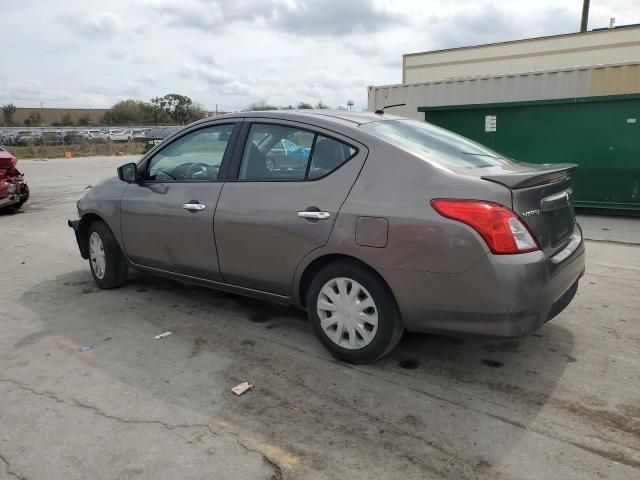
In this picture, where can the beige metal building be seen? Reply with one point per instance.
(595, 63)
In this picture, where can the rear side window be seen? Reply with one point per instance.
(435, 144)
(280, 153)
(328, 155)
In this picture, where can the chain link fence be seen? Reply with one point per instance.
(61, 136)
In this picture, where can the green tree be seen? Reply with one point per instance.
(34, 119)
(304, 106)
(66, 120)
(170, 109)
(8, 111)
(155, 115)
(260, 106)
(84, 120)
(180, 108)
(126, 112)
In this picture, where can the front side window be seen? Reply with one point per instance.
(276, 152)
(196, 157)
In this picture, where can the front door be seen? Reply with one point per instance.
(167, 219)
(291, 183)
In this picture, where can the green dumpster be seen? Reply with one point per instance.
(150, 143)
(157, 135)
(600, 134)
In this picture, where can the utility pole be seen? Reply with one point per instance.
(585, 16)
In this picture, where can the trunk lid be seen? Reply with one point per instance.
(542, 197)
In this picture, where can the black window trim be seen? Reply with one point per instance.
(226, 159)
(234, 170)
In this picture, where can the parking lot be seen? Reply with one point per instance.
(563, 403)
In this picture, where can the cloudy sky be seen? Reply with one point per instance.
(93, 53)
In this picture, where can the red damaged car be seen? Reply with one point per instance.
(13, 189)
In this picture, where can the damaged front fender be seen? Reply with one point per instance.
(79, 228)
(14, 191)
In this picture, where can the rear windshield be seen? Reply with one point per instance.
(435, 144)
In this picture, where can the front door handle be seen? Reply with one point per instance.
(314, 215)
(194, 206)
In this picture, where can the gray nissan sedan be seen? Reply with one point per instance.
(372, 223)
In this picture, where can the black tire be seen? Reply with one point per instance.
(116, 266)
(12, 208)
(390, 327)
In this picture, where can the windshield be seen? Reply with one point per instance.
(435, 144)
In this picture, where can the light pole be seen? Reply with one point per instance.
(585, 16)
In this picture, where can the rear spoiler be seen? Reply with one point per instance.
(542, 174)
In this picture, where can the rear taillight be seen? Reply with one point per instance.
(499, 226)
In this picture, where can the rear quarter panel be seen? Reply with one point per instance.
(399, 187)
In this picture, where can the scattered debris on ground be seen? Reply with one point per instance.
(243, 387)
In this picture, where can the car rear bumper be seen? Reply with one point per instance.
(501, 295)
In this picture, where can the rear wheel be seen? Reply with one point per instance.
(353, 313)
(108, 265)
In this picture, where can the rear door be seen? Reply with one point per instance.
(167, 219)
(274, 213)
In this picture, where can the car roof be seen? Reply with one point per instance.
(339, 117)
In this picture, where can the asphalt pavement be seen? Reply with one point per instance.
(563, 403)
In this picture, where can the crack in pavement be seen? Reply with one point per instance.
(277, 470)
(8, 470)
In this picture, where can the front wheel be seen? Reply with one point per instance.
(353, 313)
(108, 265)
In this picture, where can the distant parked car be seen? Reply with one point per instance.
(9, 137)
(287, 155)
(75, 137)
(96, 136)
(52, 137)
(140, 135)
(388, 224)
(120, 135)
(13, 189)
(25, 137)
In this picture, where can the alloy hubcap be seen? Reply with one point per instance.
(97, 256)
(348, 315)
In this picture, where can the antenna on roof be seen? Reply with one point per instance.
(381, 110)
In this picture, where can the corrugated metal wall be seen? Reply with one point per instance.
(579, 82)
(617, 45)
(601, 134)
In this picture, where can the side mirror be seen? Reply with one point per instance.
(128, 173)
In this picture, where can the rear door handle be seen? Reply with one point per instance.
(314, 215)
(194, 206)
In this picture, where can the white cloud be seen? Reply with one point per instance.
(97, 25)
(207, 58)
(195, 14)
(233, 52)
(114, 54)
(209, 75)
